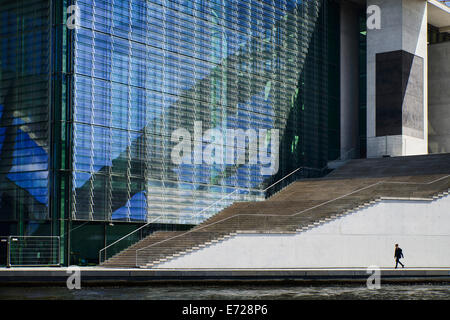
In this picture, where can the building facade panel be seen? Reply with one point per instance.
(87, 115)
(144, 69)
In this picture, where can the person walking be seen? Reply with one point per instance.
(398, 254)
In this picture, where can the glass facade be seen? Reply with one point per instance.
(87, 114)
(334, 103)
(435, 36)
(25, 68)
(143, 69)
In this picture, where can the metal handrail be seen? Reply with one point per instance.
(347, 153)
(125, 236)
(264, 190)
(320, 170)
(345, 156)
(214, 203)
(203, 210)
(8, 250)
(296, 213)
(282, 179)
(273, 184)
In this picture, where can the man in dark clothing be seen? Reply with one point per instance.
(398, 254)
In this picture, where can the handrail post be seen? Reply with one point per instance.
(59, 251)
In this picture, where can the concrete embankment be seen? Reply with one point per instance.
(98, 276)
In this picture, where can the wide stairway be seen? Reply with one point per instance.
(301, 205)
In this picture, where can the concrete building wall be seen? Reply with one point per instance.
(364, 238)
(403, 27)
(439, 98)
(349, 73)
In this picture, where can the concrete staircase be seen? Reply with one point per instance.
(302, 205)
(127, 258)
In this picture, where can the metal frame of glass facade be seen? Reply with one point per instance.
(90, 141)
(145, 68)
(362, 85)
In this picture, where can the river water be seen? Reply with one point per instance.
(233, 292)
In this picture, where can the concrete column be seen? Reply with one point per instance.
(439, 98)
(349, 78)
(397, 123)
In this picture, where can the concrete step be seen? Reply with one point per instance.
(304, 205)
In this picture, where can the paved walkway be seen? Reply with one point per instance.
(111, 276)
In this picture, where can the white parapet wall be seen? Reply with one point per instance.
(363, 238)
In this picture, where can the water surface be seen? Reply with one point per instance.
(233, 292)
